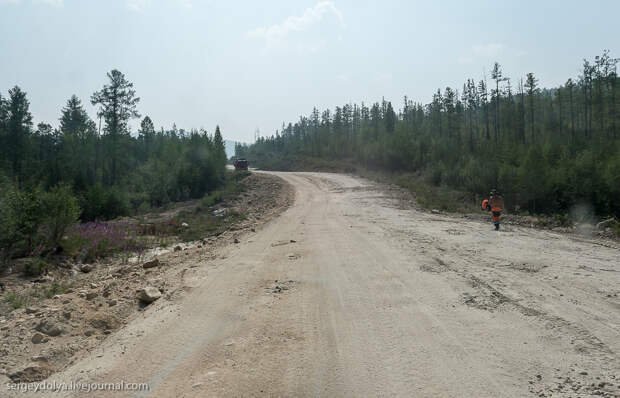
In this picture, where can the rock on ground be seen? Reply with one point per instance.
(86, 268)
(105, 322)
(37, 338)
(149, 294)
(151, 264)
(31, 374)
(49, 328)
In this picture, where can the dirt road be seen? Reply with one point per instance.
(348, 293)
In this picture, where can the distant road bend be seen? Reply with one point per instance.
(348, 294)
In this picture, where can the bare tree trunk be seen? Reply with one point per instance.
(572, 115)
(613, 106)
(496, 110)
(601, 112)
(585, 107)
(590, 105)
(560, 111)
(532, 116)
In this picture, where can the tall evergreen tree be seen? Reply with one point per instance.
(482, 92)
(531, 84)
(74, 119)
(570, 85)
(18, 129)
(3, 132)
(78, 152)
(496, 74)
(390, 118)
(117, 103)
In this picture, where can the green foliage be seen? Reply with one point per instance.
(49, 177)
(16, 300)
(60, 210)
(547, 150)
(202, 224)
(54, 176)
(112, 174)
(210, 200)
(104, 203)
(239, 175)
(56, 288)
(35, 266)
(117, 103)
(92, 240)
(430, 196)
(21, 215)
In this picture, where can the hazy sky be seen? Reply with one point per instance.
(254, 64)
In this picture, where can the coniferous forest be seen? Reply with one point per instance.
(91, 170)
(547, 150)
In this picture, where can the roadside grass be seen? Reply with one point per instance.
(429, 196)
(31, 295)
(56, 288)
(206, 220)
(201, 225)
(92, 240)
(230, 190)
(17, 300)
(35, 266)
(305, 163)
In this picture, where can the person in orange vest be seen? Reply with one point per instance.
(494, 204)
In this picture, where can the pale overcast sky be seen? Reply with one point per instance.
(249, 64)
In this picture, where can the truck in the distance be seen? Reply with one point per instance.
(241, 164)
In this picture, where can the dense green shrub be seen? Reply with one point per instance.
(35, 266)
(104, 203)
(211, 199)
(60, 210)
(21, 215)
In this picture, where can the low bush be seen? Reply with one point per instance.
(200, 225)
(60, 210)
(16, 300)
(210, 200)
(21, 215)
(239, 175)
(35, 266)
(93, 240)
(56, 288)
(103, 203)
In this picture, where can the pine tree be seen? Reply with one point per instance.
(532, 88)
(570, 85)
(3, 133)
(449, 105)
(482, 92)
(117, 105)
(220, 147)
(18, 129)
(496, 74)
(74, 119)
(390, 118)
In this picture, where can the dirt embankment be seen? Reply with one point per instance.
(72, 309)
